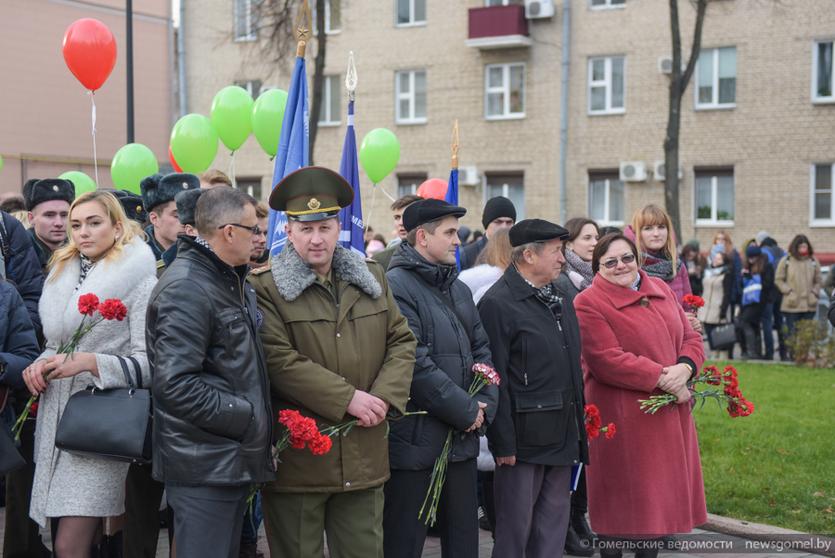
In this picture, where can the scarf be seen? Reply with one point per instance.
(204, 243)
(658, 265)
(86, 265)
(545, 294)
(711, 271)
(578, 270)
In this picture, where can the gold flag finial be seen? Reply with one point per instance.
(303, 25)
(455, 143)
(351, 76)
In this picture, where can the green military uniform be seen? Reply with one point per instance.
(324, 338)
(43, 251)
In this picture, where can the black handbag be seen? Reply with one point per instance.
(723, 337)
(109, 423)
(10, 458)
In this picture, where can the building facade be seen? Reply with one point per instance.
(45, 113)
(757, 125)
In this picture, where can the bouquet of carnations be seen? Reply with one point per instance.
(483, 375)
(692, 302)
(88, 307)
(729, 396)
(594, 424)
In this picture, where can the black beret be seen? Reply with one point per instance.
(535, 230)
(426, 211)
(38, 191)
(186, 204)
(133, 206)
(158, 189)
(497, 207)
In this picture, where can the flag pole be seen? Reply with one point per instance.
(351, 77)
(455, 144)
(303, 24)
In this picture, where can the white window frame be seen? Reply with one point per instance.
(812, 190)
(713, 221)
(714, 104)
(328, 30)
(327, 96)
(412, 22)
(607, 209)
(504, 89)
(409, 96)
(607, 5)
(815, 98)
(606, 82)
(416, 179)
(520, 211)
(250, 21)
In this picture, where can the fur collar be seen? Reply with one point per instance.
(116, 278)
(292, 275)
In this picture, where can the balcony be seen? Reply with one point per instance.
(498, 27)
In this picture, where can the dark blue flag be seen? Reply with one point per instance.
(352, 233)
(451, 197)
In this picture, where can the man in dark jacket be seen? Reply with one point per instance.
(538, 432)
(48, 202)
(441, 313)
(20, 265)
(499, 213)
(212, 416)
(158, 194)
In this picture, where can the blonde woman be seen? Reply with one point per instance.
(105, 256)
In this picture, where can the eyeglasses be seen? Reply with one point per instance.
(611, 264)
(255, 229)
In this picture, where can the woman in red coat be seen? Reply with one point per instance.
(646, 482)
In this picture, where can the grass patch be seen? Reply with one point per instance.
(776, 466)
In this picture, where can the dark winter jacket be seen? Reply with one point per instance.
(212, 416)
(470, 252)
(449, 343)
(18, 345)
(23, 268)
(536, 349)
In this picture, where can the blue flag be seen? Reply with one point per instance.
(293, 149)
(451, 197)
(352, 234)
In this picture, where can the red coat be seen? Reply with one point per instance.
(647, 480)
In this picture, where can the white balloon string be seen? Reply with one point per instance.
(389, 196)
(93, 125)
(232, 170)
(367, 220)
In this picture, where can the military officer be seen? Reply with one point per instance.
(158, 193)
(337, 349)
(48, 202)
(133, 206)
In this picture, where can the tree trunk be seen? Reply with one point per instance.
(678, 85)
(318, 74)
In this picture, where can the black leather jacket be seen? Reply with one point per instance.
(212, 417)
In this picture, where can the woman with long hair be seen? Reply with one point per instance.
(576, 274)
(105, 256)
(489, 265)
(717, 296)
(799, 279)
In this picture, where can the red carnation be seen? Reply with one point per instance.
(694, 301)
(610, 430)
(88, 304)
(296, 443)
(288, 416)
(113, 309)
(33, 410)
(320, 445)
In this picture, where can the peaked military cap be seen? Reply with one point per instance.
(133, 206)
(426, 211)
(158, 189)
(311, 194)
(38, 191)
(186, 204)
(535, 230)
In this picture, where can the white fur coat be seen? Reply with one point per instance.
(67, 484)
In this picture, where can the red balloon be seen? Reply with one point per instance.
(173, 160)
(432, 188)
(90, 52)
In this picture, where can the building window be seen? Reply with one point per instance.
(510, 186)
(606, 4)
(606, 85)
(823, 83)
(410, 96)
(250, 185)
(606, 198)
(823, 194)
(333, 17)
(716, 78)
(504, 91)
(714, 192)
(407, 184)
(411, 12)
(245, 29)
(330, 111)
(252, 86)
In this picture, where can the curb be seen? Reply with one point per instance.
(750, 530)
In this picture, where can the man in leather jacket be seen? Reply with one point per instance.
(212, 416)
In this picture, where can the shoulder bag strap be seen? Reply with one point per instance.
(125, 371)
(137, 370)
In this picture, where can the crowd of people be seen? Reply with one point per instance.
(228, 339)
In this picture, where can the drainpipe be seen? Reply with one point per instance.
(564, 81)
(181, 60)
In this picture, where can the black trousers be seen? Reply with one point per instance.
(207, 519)
(21, 538)
(404, 534)
(580, 498)
(142, 498)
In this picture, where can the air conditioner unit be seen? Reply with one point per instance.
(468, 176)
(633, 171)
(538, 9)
(659, 174)
(665, 65)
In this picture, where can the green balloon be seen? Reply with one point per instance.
(232, 116)
(194, 143)
(379, 153)
(267, 118)
(1, 163)
(81, 181)
(130, 165)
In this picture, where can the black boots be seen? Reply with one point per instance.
(579, 538)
